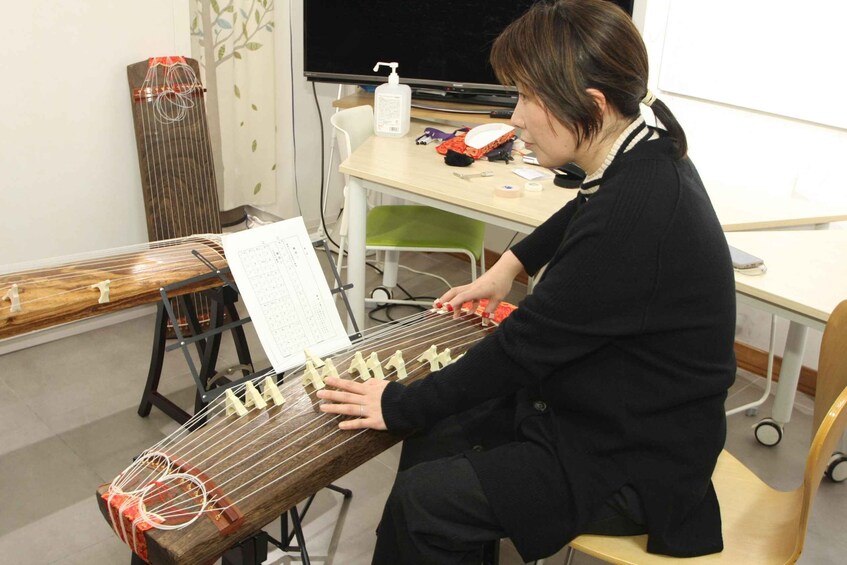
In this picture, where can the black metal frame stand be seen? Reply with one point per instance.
(210, 384)
(223, 300)
(286, 537)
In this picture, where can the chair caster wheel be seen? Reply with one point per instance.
(750, 412)
(768, 432)
(836, 471)
(381, 293)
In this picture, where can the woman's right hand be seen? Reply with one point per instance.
(494, 285)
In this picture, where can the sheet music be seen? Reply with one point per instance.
(285, 292)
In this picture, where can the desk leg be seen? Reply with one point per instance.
(789, 373)
(357, 223)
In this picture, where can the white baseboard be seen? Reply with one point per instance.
(59, 332)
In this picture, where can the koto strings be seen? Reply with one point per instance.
(234, 455)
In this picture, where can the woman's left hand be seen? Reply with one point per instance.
(362, 400)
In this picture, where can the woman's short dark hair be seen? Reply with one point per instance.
(559, 49)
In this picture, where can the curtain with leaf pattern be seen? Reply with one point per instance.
(233, 42)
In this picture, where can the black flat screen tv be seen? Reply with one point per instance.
(442, 46)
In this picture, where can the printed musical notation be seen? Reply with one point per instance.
(285, 292)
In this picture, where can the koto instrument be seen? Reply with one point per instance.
(36, 296)
(180, 199)
(174, 154)
(266, 447)
(174, 151)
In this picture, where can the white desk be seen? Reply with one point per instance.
(744, 210)
(806, 278)
(398, 167)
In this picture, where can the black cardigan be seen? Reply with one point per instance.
(627, 339)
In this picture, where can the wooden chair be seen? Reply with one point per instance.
(832, 378)
(761, 525)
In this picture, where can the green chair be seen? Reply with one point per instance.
(396, 228)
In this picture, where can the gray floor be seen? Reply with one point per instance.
(68, 423)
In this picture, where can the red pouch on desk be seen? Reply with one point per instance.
(483, 139)
(456, 143)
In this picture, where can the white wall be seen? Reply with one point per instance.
(299, 121)
(69, 179)
(299, 181)
(747, 147)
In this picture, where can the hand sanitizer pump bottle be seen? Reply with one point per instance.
(392, 105)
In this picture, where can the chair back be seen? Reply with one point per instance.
(828, 436)
(355, 125)
(833, 420)
(832, 364)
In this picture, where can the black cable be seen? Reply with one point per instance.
(406, 292)
(323, 153)
(387, 307)
(293, 109)
(380, 272)
(509, 245)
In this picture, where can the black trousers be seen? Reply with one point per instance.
(438, 514)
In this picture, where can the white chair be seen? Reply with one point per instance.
(396, 228)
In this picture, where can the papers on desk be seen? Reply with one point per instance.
(531, 174)
(285, 292)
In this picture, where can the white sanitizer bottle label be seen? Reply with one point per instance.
(390, 113)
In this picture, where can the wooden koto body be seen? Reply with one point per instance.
(36, 298)
(264, 462)
(174, 149)
(174, 155)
